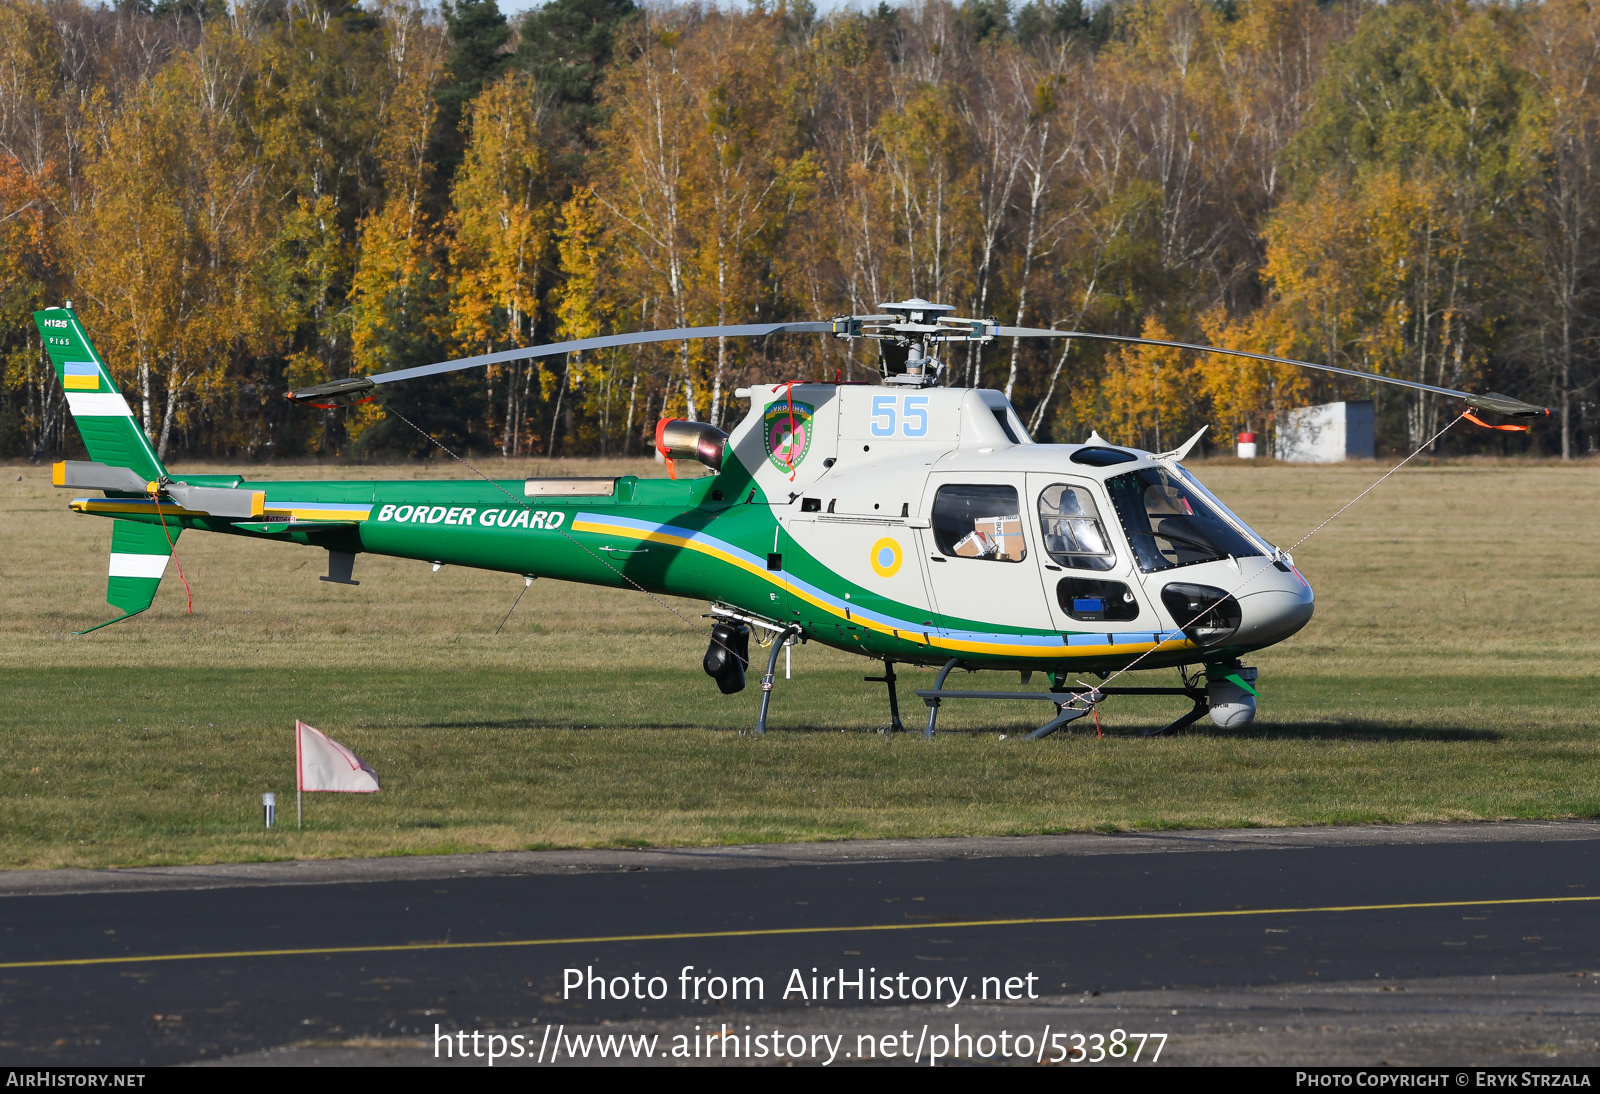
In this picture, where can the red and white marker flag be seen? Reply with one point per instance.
(321, 763)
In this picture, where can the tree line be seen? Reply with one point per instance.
(240, 200)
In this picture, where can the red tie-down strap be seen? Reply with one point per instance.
(1475, 420)
(672, 467)
(788, 456)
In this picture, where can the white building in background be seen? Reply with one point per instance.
(1331, 433)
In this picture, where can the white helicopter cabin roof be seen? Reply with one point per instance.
(864, 439)
(795, 425)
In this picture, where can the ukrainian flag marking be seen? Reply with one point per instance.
(318, 510)
(81, 376)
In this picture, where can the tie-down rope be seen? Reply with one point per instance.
(1241, 586)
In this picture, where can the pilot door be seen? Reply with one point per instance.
(1090, 582)
(982, 574)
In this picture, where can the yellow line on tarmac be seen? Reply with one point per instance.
(406, 947)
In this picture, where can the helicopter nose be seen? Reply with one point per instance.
(1276, 607)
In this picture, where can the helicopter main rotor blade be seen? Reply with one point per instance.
(1493, 401)
(357, 388)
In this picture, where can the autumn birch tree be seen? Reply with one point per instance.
(1560, 215)
(500, 235)
(643, 182)
(736, 173)
(171, 243)
(395, 272)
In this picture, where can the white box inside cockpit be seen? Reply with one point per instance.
(994, 537)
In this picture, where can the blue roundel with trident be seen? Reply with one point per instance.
(788, 429)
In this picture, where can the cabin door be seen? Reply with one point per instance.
(1089, 580)
(980, 549)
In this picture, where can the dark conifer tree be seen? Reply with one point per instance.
(566, 46)
(1044, 20)
(478, 36)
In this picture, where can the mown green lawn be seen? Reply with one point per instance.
(1449, 674)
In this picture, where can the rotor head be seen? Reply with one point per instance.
(908, 333)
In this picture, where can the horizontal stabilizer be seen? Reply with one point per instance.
(83, 475)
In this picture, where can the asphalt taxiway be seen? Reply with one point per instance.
(1476, 939)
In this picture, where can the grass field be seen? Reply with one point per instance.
(1449, 674)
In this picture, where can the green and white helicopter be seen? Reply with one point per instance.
(904, 521)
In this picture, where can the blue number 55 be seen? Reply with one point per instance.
(916, 423)
(883, 416)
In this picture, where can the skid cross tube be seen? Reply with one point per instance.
(778, 643)
(1202, 707)
(888, 677)
(1064, 714)
(1062, 698)
(932, 697)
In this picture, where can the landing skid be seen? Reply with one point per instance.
(1063, 698)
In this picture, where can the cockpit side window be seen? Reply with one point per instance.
(979, 522)
(1169, 525)
(1073, 533)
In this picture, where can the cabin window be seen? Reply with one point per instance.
(1073, 533)
(979, 522)
(1101, 457)
(1170, 525)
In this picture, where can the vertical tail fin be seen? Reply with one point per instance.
(103, 417)
(139, 552)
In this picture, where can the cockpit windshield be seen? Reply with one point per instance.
(1219, 506)
(1169, 524)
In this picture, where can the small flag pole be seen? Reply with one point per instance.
(299, 780)
(333, 767)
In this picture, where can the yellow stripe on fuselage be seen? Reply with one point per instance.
(910, 633)
(675, 541)
(289, 512)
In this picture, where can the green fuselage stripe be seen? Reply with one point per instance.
(659, 535)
